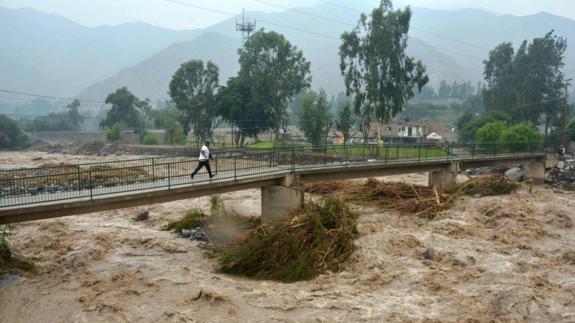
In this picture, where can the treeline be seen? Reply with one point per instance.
(271, 90)
(524, 88)
(455, 90)
(272, 74)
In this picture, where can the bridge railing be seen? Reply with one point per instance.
(52, 183)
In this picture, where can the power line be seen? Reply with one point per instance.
(259, 20)
(328, 2)
(305, 13)
(49, 96)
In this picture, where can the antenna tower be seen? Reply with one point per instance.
(245, 25)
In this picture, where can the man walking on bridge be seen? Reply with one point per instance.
(204, 160)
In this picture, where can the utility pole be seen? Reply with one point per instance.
(246, 26)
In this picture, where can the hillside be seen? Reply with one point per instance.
(49, 54)
(150, 78)
(45, 53)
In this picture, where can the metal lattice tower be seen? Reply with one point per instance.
(245, 25)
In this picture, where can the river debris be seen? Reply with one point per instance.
(9, 260)
(318, 238)
(417, 200)
(562, 175)
(220, 227)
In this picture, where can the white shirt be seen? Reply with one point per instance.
(204, 153)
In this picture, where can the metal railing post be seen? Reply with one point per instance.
(386, 153)
(346, 158)
(153, 170)
(293, 158)
(272, 157)
(419, 153)
(169, 176)
(78, 178)
(235, 168)
(91, 184)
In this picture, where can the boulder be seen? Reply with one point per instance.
(514, 174)
(186, 233)
(549, 177)
(143, 214)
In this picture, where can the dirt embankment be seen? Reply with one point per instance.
(501, 259)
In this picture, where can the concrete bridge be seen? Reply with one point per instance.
(42, 193)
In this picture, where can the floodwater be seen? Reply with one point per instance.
(501, 259)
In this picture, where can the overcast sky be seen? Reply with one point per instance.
(170, 15)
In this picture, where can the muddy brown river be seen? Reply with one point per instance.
(488, 259)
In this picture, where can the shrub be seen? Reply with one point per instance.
(114, 134)
(174, 133)
(517, 137)
(490, 132)
(150, 139)
(11, 136)
(193, 219)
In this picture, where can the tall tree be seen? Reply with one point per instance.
(74, 115)
(236, 105)
(276, 72)
(345, 122)
(315, 119)
(528, 83)
(376, 69)
(193, 89)
(126, 110)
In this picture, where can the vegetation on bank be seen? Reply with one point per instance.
(9, 260)
(316, 239)
(11, 135)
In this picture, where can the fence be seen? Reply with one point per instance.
(26, 186)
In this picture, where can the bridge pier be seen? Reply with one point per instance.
(534, 171)
(445, 177)
(279, 201)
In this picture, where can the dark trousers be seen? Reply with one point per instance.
(203, 163)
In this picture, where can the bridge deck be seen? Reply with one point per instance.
(98, 196)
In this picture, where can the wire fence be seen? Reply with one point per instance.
(26, 186)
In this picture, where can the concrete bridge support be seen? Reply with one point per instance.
(279, 201)
(534, 171)
(445, 177)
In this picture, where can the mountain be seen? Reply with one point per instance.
(46, 53)
(468, 35)
(150, 78)
(452, 44)
(320, 46)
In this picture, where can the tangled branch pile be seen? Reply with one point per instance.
(8, 259)
(317, 239)
(406, 198)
